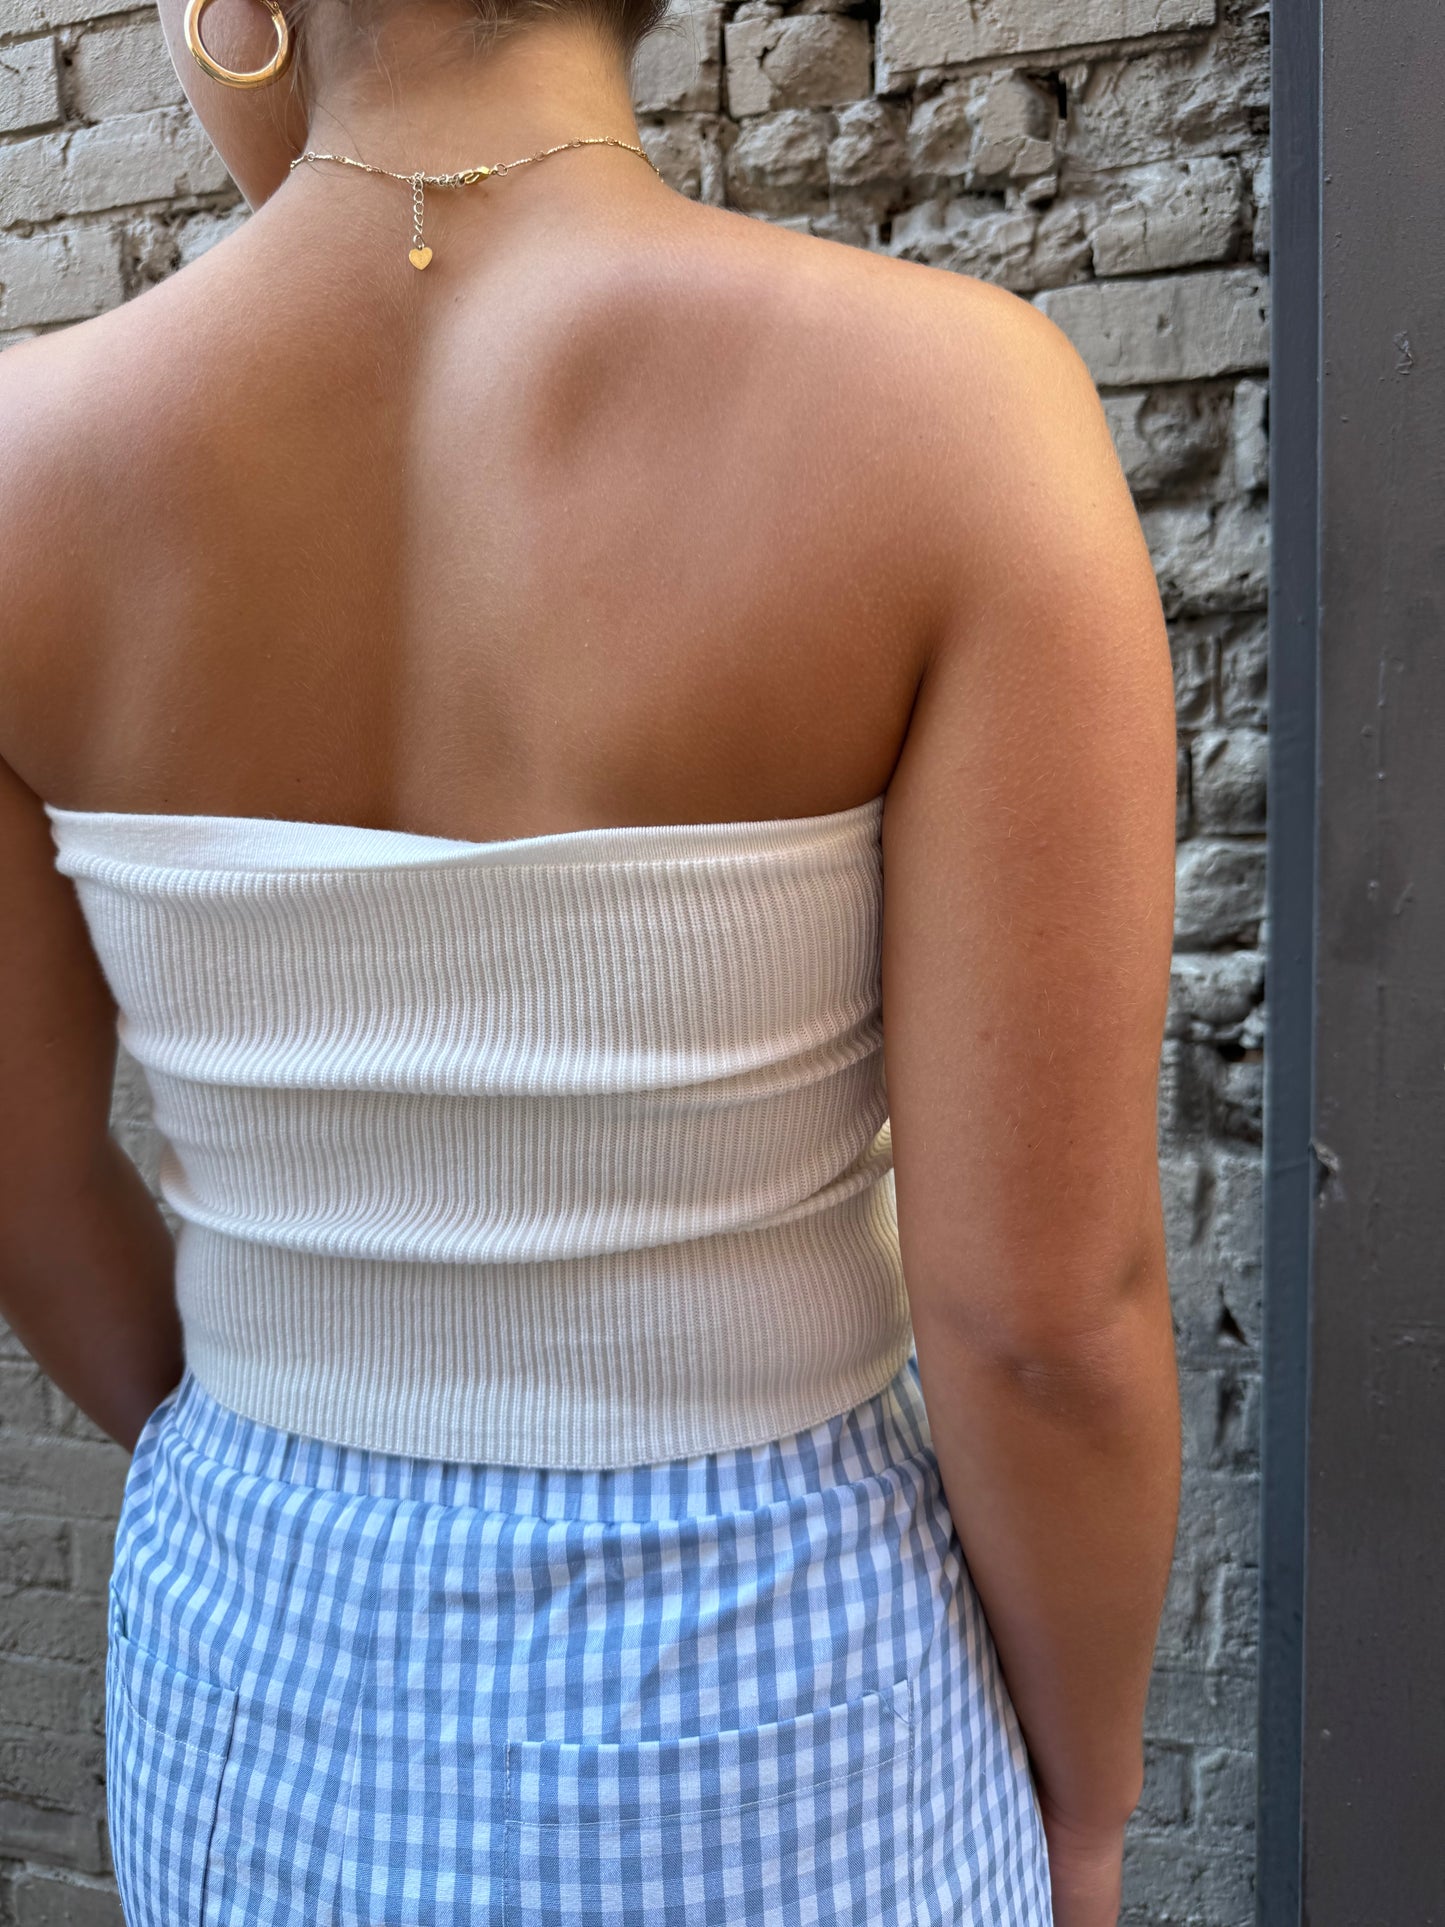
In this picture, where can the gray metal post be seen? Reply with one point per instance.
(1352, 1710)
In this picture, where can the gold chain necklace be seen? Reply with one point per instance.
(420, 254)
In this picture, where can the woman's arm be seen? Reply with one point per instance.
(86, 1258)
(87, 1262)
(87, 1283)
(1028, 845)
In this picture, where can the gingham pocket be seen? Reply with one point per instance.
(167, 1739)
(807, 1819)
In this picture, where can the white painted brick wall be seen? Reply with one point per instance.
(813, 60)
(914, 34)
(39, 16)
(64, 274)
(122, 67)
(678, 67)
(29, 84)
(1208, 95)
(1172, 214)
(162, 155)
(1179, 327)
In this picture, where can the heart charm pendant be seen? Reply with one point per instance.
(419, 257)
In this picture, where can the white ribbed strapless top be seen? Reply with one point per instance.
(569, 1150)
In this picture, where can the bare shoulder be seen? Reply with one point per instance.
(98, 380)
(41, 386)
(985, 386)
(49, 431)
(971, 404)
(75, 423)
(960, 338)
(69, 401)
(77, 404)
(994, 389)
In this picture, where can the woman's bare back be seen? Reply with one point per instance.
(609, 526)
(674, 519)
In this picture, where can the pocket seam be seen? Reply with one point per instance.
(900, 1697)
(511, 1858)
(907, 1687)
(216, 1748)
(689, 1812)
(513, 1819)
(225, 1698)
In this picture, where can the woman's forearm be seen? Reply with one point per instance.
(87, 1283)
(1062, 1476)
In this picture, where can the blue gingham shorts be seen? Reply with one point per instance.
(346, 1688)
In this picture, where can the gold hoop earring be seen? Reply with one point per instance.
(261, 76)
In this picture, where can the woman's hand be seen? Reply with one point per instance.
(1086, 1871)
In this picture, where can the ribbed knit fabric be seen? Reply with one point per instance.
(568, 1150)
